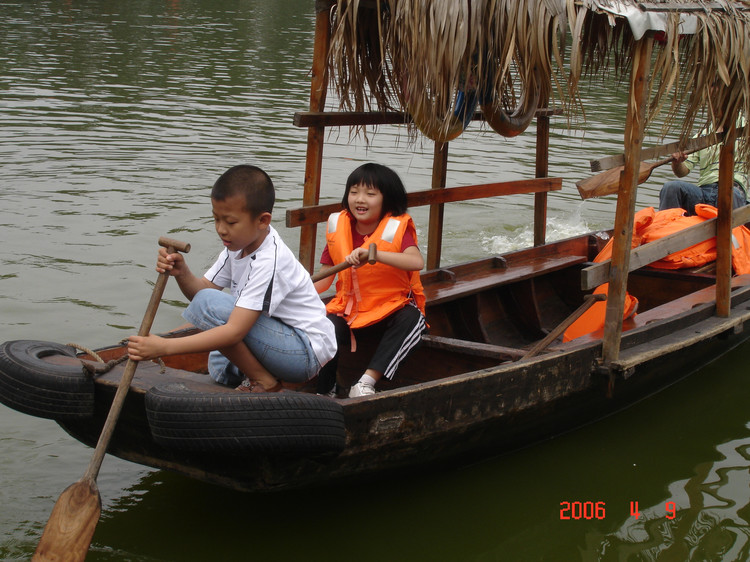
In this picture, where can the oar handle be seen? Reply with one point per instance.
(173, 245)
(372, 255)
(122, 389)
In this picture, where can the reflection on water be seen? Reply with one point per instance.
(117, 117)
(704, 518)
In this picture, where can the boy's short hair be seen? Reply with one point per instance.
(385, 180)
(249, 181)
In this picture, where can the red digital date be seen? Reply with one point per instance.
(582, 510)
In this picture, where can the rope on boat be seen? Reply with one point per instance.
(102, 366)
(87, 351)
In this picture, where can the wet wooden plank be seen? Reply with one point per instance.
(499, 352)
(480, 280)
(724, 225)
(437, 210)
(623, 230)
(630, 359)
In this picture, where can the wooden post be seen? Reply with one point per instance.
(623, 231)
(542, 170)
(435, 233)
(724, 225)
(315, 136)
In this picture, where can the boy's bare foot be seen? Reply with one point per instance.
(256, 386)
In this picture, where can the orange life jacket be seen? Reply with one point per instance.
(366, 295)
(668, 222)
(650, 226)
(593, 319)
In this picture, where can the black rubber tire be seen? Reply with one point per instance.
(284, 423)
(39, 388)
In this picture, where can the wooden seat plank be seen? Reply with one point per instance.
(438, 291)
(492, 351)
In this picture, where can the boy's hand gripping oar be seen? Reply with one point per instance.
(371, 257)
(71, 525)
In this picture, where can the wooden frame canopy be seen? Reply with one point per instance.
(688, 61)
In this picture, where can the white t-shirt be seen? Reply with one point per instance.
(273, 281)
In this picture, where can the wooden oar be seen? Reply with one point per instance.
(371, 257)
(71, 525)
(588, 301)
(609, 162)
(652, 152)
(608, 182)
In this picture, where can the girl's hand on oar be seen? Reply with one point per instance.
(358, 257)
(333, 270)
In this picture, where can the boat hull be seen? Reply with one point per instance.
(444, 422)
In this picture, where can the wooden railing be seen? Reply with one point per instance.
(315, 214)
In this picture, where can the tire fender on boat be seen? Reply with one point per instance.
(236, 422)
(34, 386)
(464, 106)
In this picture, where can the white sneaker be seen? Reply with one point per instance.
(361, 389)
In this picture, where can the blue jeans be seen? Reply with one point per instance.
(284, 351)
(685, 195)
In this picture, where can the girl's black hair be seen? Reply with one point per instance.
(384, 179)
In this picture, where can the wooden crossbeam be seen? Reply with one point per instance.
(688, 6)
(595, 275)
(319, 213)
(363, 118)
(349, 118)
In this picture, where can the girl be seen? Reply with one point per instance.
(385, 298)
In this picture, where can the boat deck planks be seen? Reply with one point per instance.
(675, 341)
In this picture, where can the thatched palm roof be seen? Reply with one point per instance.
(415, 55)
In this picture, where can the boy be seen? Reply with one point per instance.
(273, 325)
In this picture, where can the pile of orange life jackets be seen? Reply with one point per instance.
(650, 225)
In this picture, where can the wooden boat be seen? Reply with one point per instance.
(491, 376)
(467, 392)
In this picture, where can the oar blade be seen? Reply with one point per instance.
(608, 183)
(605, 183)
(71, 525)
